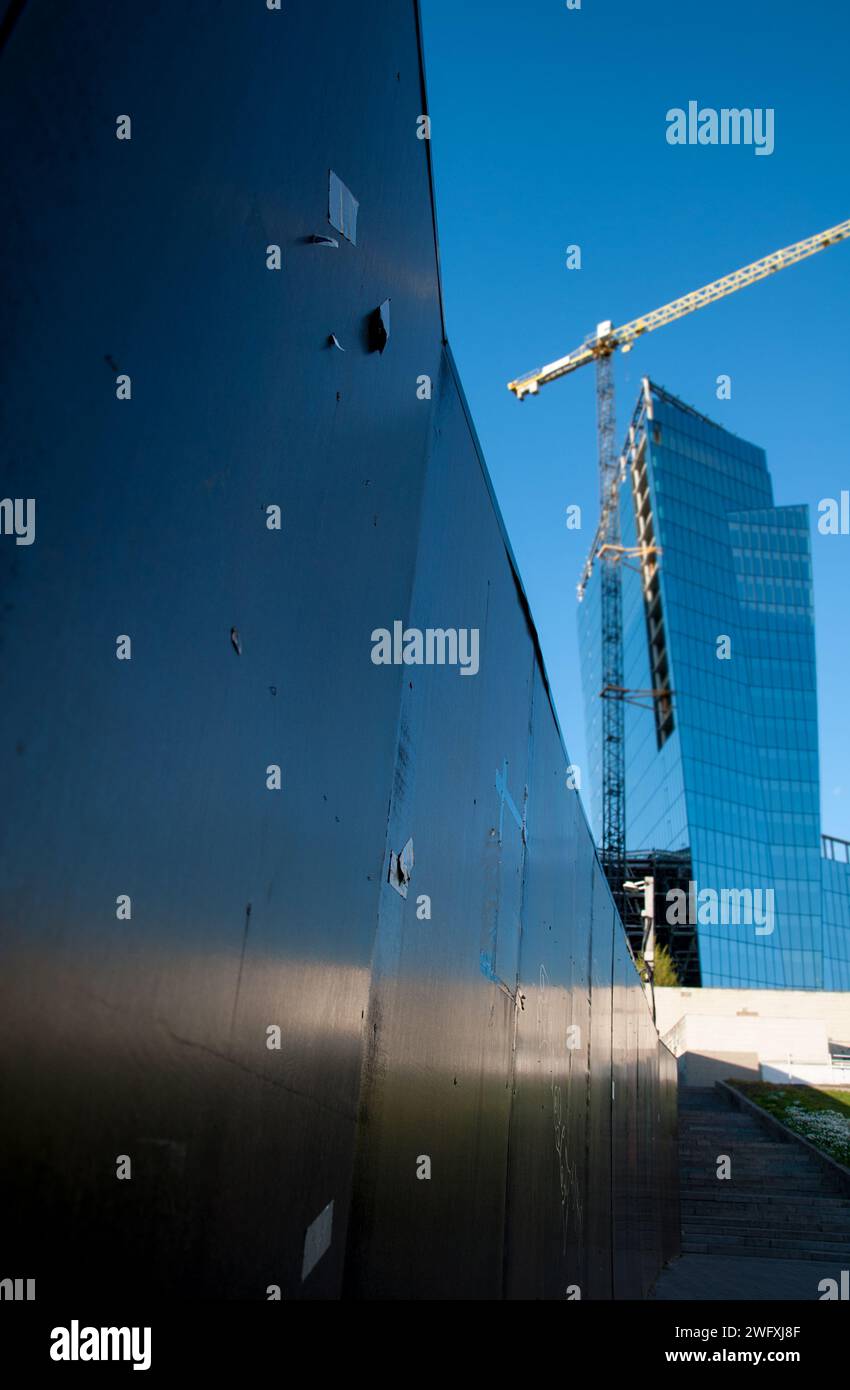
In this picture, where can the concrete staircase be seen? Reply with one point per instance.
(779, 1202)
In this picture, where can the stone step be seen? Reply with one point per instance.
(720, 1119)
(808, 1182)
(804, 1166)
(755, 1157)
(811, 1182)
(760, 1170)
(740, 1169)
(779, 1251)
(828, 1201)
(793, 1232)
(724, 1213)
(761, 1139)
(721, 1116)
(754, 1188)
(764, 1153)
(693, 1124)
(836, 1217)
(754, 1152)
(765, 1146)
(752, 1192)
(706, 1140)
(757, 1152)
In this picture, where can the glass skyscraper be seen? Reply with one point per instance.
(721, 739)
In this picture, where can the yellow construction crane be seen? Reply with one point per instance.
(599, 348)
(607, 338)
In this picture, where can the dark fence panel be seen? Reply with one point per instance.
(476, 1033)
(548, 1200)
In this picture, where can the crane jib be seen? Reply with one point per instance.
(625, 336)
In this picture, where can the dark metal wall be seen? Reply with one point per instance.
(506, 1038)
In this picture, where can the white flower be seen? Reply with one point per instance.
(823, 1127)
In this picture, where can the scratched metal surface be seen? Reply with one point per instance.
(251, 908)
(599, 1223)
(548, 1178)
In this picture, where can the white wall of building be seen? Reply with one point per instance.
(770, 1034)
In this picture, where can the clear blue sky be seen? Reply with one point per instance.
(549, 129)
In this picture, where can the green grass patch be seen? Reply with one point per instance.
(818, 1113)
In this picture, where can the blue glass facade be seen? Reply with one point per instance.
(836, 917)
(723, 616)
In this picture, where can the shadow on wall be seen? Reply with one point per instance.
(702, 1069)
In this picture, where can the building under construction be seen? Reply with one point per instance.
(610, 550)
(721, 779)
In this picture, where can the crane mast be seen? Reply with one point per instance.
(607, 547)
(613, 846)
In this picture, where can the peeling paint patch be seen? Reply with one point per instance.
(401, 868)
(317, 1239)
(324, 240)
(236, 641)
(379, 327)
(333, 341)
(342, 208)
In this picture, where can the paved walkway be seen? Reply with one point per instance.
(736, 1277)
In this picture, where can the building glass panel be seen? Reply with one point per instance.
(731, 776)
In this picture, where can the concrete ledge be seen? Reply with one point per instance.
(781, 1131)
